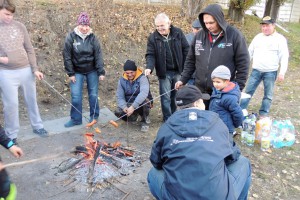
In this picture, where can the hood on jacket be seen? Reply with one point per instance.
(216, 11)
(232, 88)
(138, 73)
(186, 122)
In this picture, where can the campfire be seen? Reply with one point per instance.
(97, 161)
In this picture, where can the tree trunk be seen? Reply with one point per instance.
(235, 13)
(191, 8)
(272, 8)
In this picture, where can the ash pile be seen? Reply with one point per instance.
(97, 162)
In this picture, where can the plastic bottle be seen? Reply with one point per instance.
(243, 136)
(275, 134)
(250, 138)
(246, 124)
(289, 134)
(265, 141)
(264, 123)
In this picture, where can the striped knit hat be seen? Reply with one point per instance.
(83, 19)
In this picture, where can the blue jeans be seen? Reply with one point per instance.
(167, 99)
(92, 81)
(239, 173)
(254, 80)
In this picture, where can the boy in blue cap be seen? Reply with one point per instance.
(225, 98)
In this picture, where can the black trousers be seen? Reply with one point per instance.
(4, 183)
(143, 111)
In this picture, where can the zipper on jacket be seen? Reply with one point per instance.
(207, 67)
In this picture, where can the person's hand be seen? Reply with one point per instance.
(4, 60)
(16, 151)
(101, 78)
(125, 110)
(39, 75)
(72, 79)
(280, 77)
(147, 72)
(130, 110)
(178, 85)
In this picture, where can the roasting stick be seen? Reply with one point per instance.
(112, 122)
(33, 160)
(65, 98)
(142, 105)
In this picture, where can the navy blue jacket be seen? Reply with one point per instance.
(226, 104)
(191, 147)
(230, 49)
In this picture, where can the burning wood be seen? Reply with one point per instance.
(99, 161)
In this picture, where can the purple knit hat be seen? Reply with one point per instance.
(83, 19)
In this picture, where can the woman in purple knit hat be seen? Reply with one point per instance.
(83, 61)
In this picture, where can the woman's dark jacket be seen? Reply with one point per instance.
(82, 56)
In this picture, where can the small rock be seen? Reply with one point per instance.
(255, 196)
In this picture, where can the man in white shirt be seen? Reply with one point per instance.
(268, 50)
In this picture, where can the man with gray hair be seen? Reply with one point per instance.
(167, 48)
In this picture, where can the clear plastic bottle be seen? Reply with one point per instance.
(275, 134)
(289, 134)
(243, 136)
(265, 141)
(250, 138)
(246, 124)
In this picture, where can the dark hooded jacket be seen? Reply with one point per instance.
(4, 140)
(156, 51)
(226, 104)
(82, 56)
(230, 49)
(191, 148)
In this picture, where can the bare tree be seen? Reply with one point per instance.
(237, 9)
(272, 8)
(191, 8)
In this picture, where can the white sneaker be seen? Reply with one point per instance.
(147, 120)
(145, 128)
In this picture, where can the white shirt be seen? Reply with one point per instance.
(268, 52)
